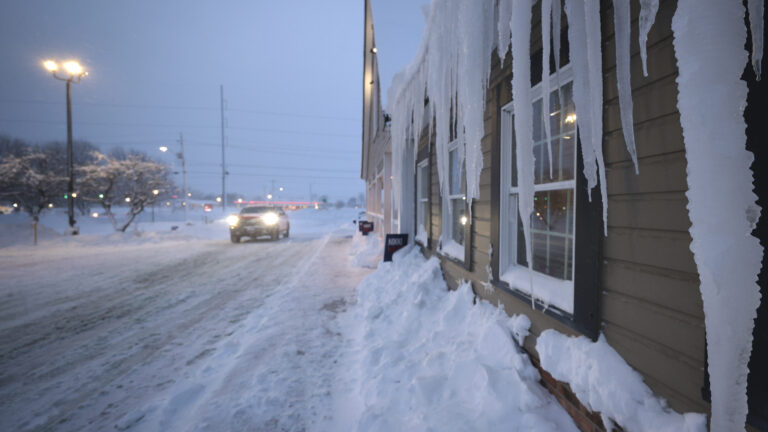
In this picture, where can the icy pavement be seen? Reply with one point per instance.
(174, 333)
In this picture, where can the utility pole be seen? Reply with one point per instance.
(223, 160)
(184, 177)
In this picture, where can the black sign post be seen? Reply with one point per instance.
(365, 226)
(393, 243)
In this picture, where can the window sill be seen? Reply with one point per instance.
(452, 250)
(546, 289)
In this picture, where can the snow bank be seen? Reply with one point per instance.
(605, 383)
(709, 46)
(366, 251)
(428, 359)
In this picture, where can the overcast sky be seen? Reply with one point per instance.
(291, 71)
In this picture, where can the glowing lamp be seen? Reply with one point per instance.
(73, 67)
(50, 65)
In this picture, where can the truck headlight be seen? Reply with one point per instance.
(232, 220)
(270, 218)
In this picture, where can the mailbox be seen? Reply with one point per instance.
(365, 227)
(393, 243)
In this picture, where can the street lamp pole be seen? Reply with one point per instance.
(70, 161)
(76, 73)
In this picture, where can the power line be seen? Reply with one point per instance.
(216, 173)
(284, 131)
(281, 167)
(182, 107)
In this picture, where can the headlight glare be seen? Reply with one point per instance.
(232, 220)
(270, 218)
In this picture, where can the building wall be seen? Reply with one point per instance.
(650, 306)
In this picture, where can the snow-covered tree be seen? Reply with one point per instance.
(33, 180)
(127, 180)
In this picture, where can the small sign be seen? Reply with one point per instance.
(393, 243)
(365, 227)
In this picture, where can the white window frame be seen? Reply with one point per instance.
(559, 291)
(422, 234)
(449, 246)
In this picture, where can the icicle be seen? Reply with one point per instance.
(648, 10)
(623, 81)
(521, 100)
(756, 11)
(709, 41)
(505, 15)
(546, 11)
(473, 72)
(586, 57)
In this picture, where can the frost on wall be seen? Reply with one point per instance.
(709, 45)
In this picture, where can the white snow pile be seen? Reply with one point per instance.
(428, 359)
(366, 251)
(605, 383)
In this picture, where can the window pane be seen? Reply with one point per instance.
(553, 211)
(513, 146)
(541, 163)
(552, 232)
(549, 255)
(458, 215)
(521, 259)
(569, 118)
(567, 156)
(454, 173)
(538, 133)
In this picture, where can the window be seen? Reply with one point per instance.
(553, 221)
(454, 206)
(422, 201)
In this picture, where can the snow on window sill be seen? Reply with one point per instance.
(548, 290)
(453, 250)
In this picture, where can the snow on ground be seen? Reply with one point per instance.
(366, 251)
(425, 358)
(99, 332)
(181, 330)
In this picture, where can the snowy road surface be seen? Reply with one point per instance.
(194, 334)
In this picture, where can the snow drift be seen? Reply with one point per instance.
(428, 359)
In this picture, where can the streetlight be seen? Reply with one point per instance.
(74, 73)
